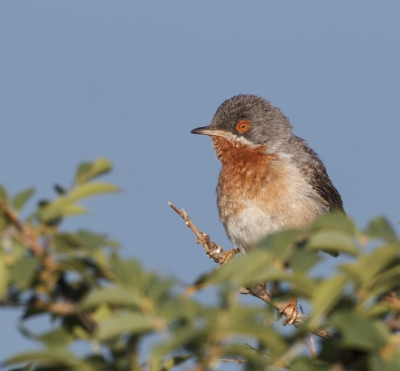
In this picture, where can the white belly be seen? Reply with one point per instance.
(250, 226)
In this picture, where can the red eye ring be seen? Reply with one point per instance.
(242, 126)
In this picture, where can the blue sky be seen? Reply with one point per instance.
(129, 80)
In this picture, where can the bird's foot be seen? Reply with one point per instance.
(289, 310)
(224, 257)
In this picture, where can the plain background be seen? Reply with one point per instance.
(129, 80)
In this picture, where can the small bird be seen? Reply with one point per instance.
(270, 179)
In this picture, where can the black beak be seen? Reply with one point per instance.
(205, 130)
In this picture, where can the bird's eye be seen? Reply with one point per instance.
(242, 126)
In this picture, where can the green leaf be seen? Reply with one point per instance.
(87, 170)
(377, 310)
(381, 228)
(50, 357)
(3, 222)
(28, 367)
(367, 267)
(81, 171)
(175, 361)
(359, 332)
(91, 189)
(128, 272)
(303, 260)
(253, 268)
(55, 338)
(61, 207)
(4, 276)
(332, 240)
(281, 244)
(250, 268)
(325, 296)
(66, 242)
(91, 240)
(111, 295)
(127, 323)
(23, 271)
(3, 194)
(385, 281)
(187, 337)
(247, 321)
(21, 198)
(336, 220)
(178, 307)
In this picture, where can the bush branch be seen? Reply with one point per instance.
(29, 238)
(217, 253)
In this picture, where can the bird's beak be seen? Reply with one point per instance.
(208, 130)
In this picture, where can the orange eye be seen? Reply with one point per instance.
(242, 126)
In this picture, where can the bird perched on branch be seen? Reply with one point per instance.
(270, 179)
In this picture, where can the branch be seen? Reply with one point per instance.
(28, 236)
(217, 253)
(29, 239)
(213, 251)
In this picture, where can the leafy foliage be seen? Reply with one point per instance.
(93, 295)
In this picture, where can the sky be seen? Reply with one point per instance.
(128, 80)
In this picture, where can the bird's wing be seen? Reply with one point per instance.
(315, 172)
(321, 183)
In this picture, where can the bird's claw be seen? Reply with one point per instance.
(225, 256)
(290, 311)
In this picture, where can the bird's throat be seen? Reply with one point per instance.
(240, 155)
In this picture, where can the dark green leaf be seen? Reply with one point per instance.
(22, 198)
(303, 260)
(60, 189)
(4, 276)
(174, 361)
(112, 295)
(23, 271)
(281, 244)
(28, 367)
(360, 332)
(92, 240)
(127, 323)
(179, 307)
(332, 240)
(87, 171)
(334, 221)
(56, 338)
(324, 297)
(365, 269)
(128, 272)
(3, 194)
(381, 228)
(50, 357)
(61, 207)
(82, 171)
(65, 242)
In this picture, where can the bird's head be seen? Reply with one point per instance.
(249, 120)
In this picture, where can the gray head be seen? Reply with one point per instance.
(251, 120)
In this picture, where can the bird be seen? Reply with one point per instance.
(270, 179)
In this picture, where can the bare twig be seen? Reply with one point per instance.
(213, 251)
(235, 360)
(220, 256)
(313, 348)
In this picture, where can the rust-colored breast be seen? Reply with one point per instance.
(260, 193)
(247, 174)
